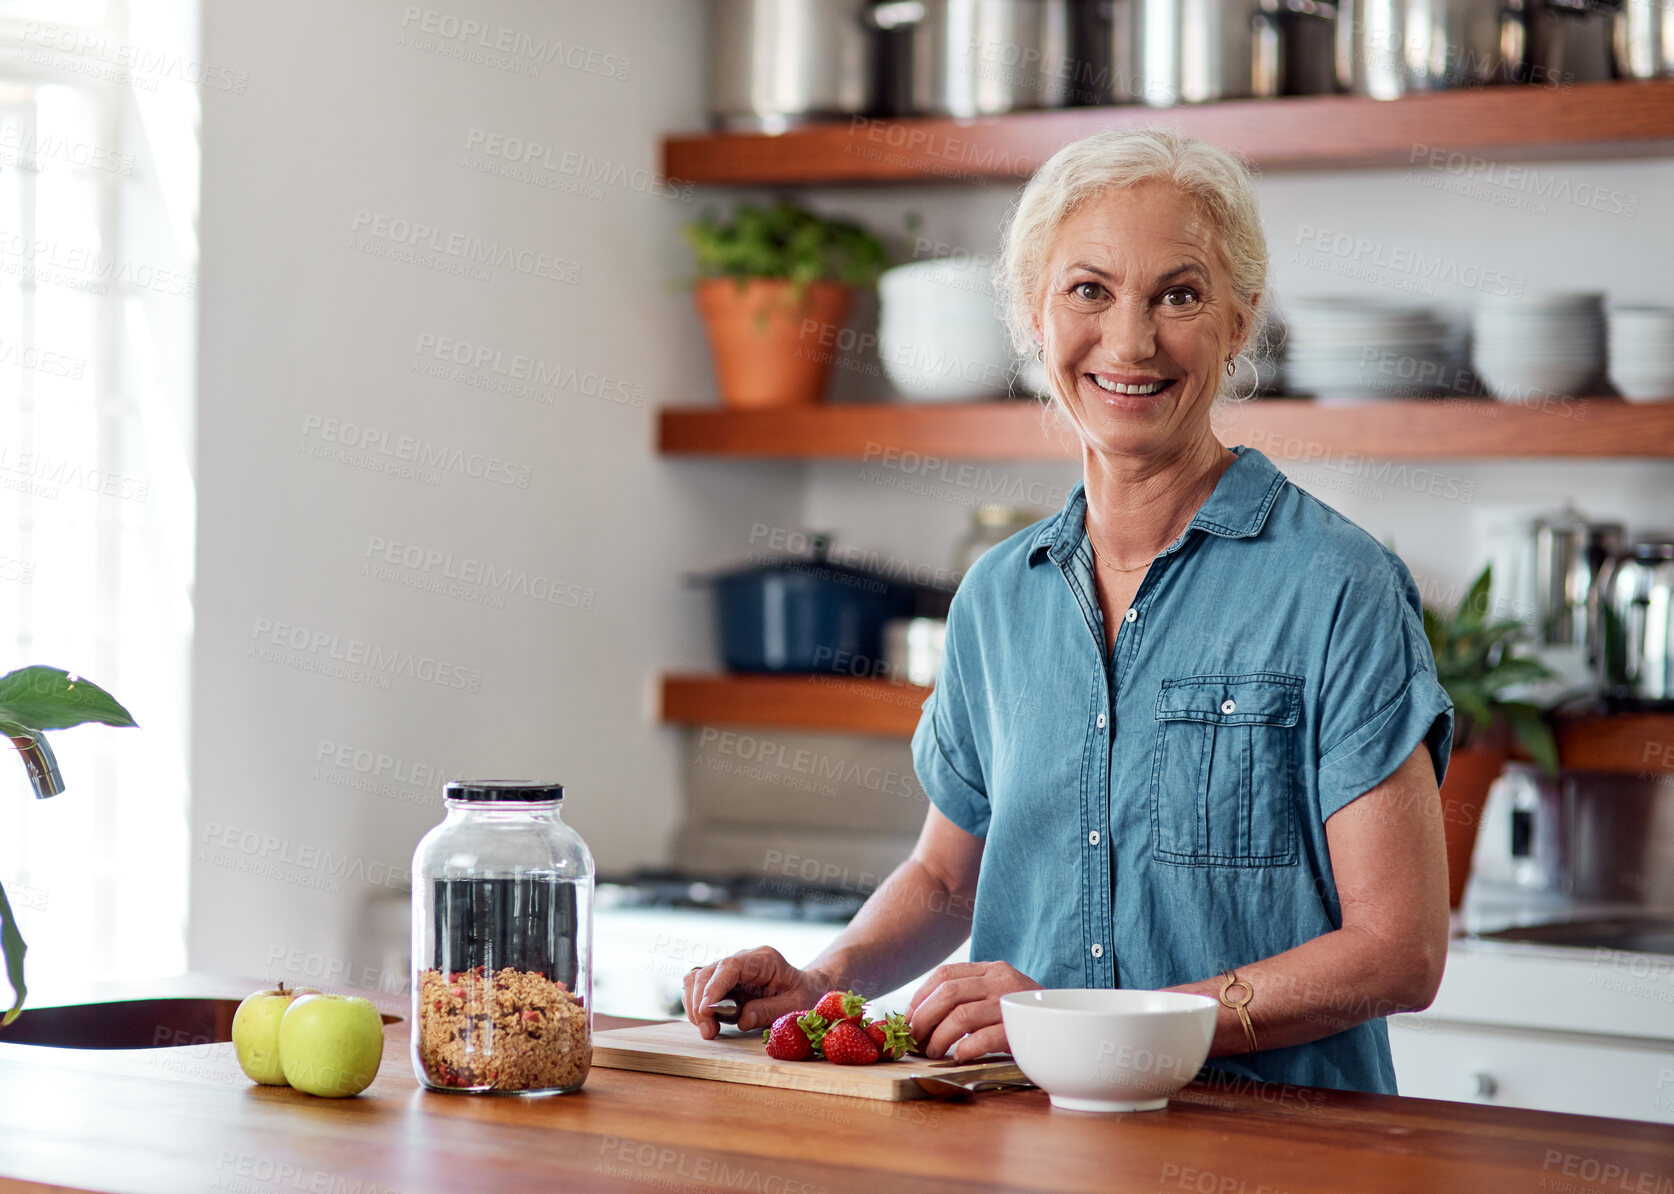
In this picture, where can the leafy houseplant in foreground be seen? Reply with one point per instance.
(33, 700)
(774, 286)
(1477, 663)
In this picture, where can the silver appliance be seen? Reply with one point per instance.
(778, 63)
(1636, 624)
(969, 58)
(1387, 48)
(1547, 575)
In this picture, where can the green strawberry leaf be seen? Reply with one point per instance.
(48, 698)
(11, 944)
(813, 1026)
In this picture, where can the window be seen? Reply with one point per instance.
(98, 267)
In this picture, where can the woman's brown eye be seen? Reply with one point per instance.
(1180, 296)
(1091, 291)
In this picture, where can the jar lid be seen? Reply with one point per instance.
(499, 792)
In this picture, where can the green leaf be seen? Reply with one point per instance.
(1473, 607)
(47, 698)
(1511, 672)
(784, 241)
(11, 944)
(1533, 733)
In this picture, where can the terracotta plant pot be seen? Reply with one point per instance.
(770, 347)
(1463, 793)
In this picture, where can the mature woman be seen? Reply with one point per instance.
(1187, 732)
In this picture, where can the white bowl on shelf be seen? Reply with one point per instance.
(1642, 352)
(940, 338)
(1109, 1050)
(1644, 387)
(1519, 380)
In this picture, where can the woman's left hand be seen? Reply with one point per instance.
(956, 1013)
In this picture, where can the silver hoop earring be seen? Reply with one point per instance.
(1040, 353)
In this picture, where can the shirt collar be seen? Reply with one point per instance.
(1237, 509)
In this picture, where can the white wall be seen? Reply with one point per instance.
(301, 325)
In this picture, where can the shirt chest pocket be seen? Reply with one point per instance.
(1222, 792)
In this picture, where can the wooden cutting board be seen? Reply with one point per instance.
(676, 1048)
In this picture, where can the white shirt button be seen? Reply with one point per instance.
(1098, 950)
(1093, 838)
(1131, 616)
(1227, 706)
(1101, 721)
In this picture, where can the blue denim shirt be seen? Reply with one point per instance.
(1157, 814)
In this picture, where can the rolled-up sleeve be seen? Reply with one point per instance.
(945, 752)
(1380, 697)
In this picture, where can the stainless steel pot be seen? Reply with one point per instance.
(1643, 39)
(1307, 33)
(1387, 48)
(777, 63)
(1636, 623)
(1163, 52)
(980, 57)
(1570, 41)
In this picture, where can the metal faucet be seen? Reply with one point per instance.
(39, 763)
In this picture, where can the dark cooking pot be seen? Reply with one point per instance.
(806, 614)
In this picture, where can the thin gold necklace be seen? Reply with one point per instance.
(1109, 565)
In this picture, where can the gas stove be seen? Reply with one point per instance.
(746, 895)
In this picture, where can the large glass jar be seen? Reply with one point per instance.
(502, 944)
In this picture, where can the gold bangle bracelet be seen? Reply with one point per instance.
(1240, 1006)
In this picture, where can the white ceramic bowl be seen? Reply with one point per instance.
(1109, 1050)
(1644, 387)
(940, 338)
(1515, 382)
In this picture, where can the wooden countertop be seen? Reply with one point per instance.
(185, 1119)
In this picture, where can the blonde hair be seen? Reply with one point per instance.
(1217, 182)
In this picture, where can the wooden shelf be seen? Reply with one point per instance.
(1284, 429)
(835, 704)
(1641, 743)
(1636, 743)
(1589, 120)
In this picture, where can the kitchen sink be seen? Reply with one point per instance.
(127, 1024)
(1637, 934)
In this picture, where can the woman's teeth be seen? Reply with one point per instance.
(1116, 387)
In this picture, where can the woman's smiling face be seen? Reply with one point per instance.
(1137, 318)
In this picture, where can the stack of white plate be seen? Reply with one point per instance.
(1358, 349)
(1550, 344)
(1642, 353)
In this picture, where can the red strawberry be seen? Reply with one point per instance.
(847, 1043)
(892, 1037)
(841, 1005)
(794, 1036)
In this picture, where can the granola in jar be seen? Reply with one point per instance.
(513, 1030)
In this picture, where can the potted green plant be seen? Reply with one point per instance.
(774, 285)
(32, 701)
(1477, 662)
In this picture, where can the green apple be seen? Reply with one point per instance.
(330, 1045)
(255, 1033)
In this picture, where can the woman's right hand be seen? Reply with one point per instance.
(765, 985)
